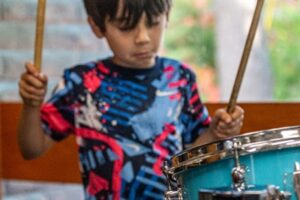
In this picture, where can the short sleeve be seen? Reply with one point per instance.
(57, 114)
(195, 114)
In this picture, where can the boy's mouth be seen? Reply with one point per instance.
(143, 55)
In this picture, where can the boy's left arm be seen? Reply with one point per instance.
(223, 125)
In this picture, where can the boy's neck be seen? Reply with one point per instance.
(129, 66)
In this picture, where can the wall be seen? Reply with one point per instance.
(68, 40)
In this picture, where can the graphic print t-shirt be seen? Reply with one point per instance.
(126, 123)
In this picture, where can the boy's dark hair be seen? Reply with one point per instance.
(131, 14)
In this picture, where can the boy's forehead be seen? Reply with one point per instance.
(122, 12)
(132, 10)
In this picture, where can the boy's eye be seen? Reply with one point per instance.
(121, 25)
(155, 23)
(124, 28)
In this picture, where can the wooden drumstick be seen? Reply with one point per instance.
(39, 34)
(245, 56)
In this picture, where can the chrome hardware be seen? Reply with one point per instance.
(238, 172)
(228, 145)
(238, 177)
(253, 193)
(275, 194)
(253, 142)
(297, 179)
(174, 195)
(236, 149)
(174, 192)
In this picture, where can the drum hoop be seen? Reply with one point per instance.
(249, 143)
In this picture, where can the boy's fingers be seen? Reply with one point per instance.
(232, 124)
(28, 96)
(33, 81)
(32, 86)
(232, 131)
(34, 91)
(32, 70)
(43, 77)
(222, 115)
(238, 112)
(226, 119)
(26, 88)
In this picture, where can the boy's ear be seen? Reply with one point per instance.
(97, 31)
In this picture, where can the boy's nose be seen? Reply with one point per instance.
(142, 35)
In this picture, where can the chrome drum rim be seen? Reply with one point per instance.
(249, 143)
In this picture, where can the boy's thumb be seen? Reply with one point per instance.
(30, 68)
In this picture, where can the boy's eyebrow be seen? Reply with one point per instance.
(121, 19)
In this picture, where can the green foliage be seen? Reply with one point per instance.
(284, 45)
(187, 39)
(191, 40)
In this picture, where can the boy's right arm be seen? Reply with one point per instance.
(33, 142)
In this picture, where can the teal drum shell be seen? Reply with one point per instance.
(268, 156)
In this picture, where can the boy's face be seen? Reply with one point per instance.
(137, 47)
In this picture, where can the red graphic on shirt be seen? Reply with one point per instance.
(177, 96)
(103, 68)
(169, 71)
(96, 184)
(91, 81)
(55, 119)
(179, 83)
(163, 151)
(195, 98)
(116, 148)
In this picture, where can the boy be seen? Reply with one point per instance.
(128, 112)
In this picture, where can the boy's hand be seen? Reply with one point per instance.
(225, 124)
(32, 86)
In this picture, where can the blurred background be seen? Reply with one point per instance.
(208, 35)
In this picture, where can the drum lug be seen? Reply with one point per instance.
(173, 192)
(174, 195)
(239, 171)
(275, 194)
(297, 179)
(238, 177)
(269, 192)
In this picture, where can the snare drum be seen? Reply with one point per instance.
(257, 166)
